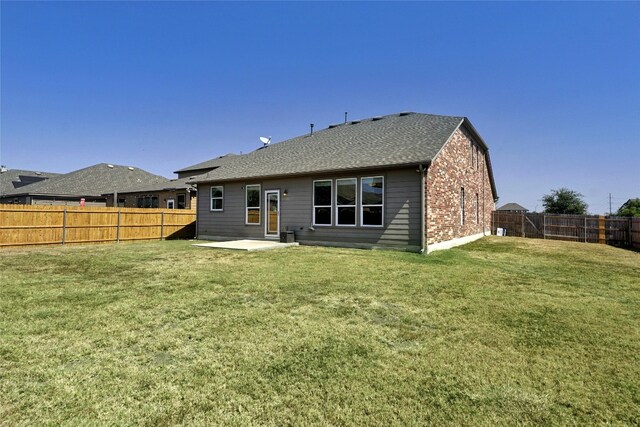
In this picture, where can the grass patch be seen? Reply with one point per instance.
(500, 331)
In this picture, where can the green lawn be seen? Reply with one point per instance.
(501, 331)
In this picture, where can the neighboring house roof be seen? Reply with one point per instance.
(512, 207)
(392, 140)
(94, 180)
(12, 179)
(209, 164)
(170, 184)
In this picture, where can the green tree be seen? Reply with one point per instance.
(630, 208)
(564, 201)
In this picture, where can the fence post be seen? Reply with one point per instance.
(602, 234)
(585, 229)
(522, 225)
(118, 228)
(64, 225)
(162, 225)
(544, 227)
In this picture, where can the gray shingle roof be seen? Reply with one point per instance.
(92, 181)
(512, 207)
(397, 139)
(13, 179)
(170, 184)
(209, 164)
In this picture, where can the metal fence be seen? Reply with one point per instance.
(617, 231)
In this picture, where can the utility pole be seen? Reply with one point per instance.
(609, 204)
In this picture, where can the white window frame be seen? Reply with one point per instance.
(477, 150)
(461, 205)
(313, 201)
(354, 206)
(246, 207)
(211, 198)
(171, 202)
(362, 205)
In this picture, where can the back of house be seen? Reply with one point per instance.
(409, 181)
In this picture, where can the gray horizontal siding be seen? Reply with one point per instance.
(401, 212)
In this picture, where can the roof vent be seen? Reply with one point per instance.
(38, 173)
(3, 169)
(355, 122)
(404, 113)
(110, 166)
(376, 118)
(130, 168)
(334, 126)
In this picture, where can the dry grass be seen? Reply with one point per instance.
(501, 331)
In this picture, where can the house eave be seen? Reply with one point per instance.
(319, 172)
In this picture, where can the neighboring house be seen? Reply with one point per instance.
(513, 208)
(204, 167)
(13, 179)
(409, 181)
(177, 193)
(90, 184)
(170, 194)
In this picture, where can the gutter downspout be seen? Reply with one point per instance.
(423, 207)
(197, 221)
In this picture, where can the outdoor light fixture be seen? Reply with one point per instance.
(285, 193)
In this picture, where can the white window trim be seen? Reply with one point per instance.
(246, 208)
(462, 201)
(354, 206)
(313, 201)
(211, 198)
(266, 213)
(362, 205)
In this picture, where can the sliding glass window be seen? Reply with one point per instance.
(346, 190)
(322, 202)
(253, 204)
(372, 197)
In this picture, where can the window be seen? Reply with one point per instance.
(372, 196)
(147, 201)
(477, 150)
(253, 204)
(470, 153)
(322, 202)
(182, 201)
(462, 206)
(346, 201)
(122, 203)
(477, 209)
(217, 193)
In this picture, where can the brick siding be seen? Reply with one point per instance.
(451, 170)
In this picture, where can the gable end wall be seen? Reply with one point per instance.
(448, 173)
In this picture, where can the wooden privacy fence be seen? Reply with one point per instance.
(47, 225)
(618, 231)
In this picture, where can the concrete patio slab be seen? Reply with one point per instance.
(246, 245)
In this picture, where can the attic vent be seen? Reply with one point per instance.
(404, 113)
(376, 118)
(355, 122)
(110, 166)
(130, 168)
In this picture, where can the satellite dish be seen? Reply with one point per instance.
(265, 140)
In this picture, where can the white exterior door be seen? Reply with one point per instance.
(272, 213)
